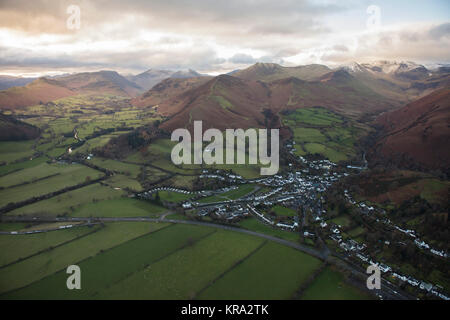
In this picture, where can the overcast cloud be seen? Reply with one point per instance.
(215, 36)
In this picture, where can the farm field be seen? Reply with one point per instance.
(69, 175)
(68, 202)
(6, 169)
(130, 170)
(172, 196)
(253, 224)
(29, 175)
(49, 262)
(320, 131)
(121, 207)
(240, 192)
(162, 261)
(26, 245)
(17, 150)
(283, 211)
(127, 258)
(329, 285)
(272, 272)
(185, 272)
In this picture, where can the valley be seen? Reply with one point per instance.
(89, 181)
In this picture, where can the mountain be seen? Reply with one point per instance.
(45, 90)
(39, 91)
(150, 78)
(7, 82)
(222, 102)
(101, 82)
(182, 74)
(273, 71)
(401, 81)
(404, 69)
(230, 102)
(416, 135)
(14, 130)
(337, 90)
(167, 89)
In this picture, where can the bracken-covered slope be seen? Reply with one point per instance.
(417, 135)
(39, 91)
(230, 102)
(223, 102)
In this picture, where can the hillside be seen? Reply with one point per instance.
(102, 82)
(13, 130)
(150, 78)
(39, 91)
(272, 71)
(167, 89)
(401, 81)
(146, 80)
(223, 102)
(231, 102)
(417, 135)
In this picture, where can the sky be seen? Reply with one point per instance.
(45, 37)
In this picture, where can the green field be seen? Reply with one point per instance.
(330, 285)
(47, 263)
(11, 151)
(272, 272)
(184, 273)
(130, 170)
(116, 264)
(29, 175)
(283, 211)
(68, 202)
(6, 169)
(70, 175)
(320, 131)
(253, 224)
(121, 207)
(172, 196)
(240, 192)
(26, 245)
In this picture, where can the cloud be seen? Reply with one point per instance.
(205, 35)
(242, 58)
(440, 31)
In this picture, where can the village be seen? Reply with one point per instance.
(299, 190)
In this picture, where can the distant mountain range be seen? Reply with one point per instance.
(44, 90)
(255, 96)
(148, 79)
(354, 90)
(7, 82)
(272, 71)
